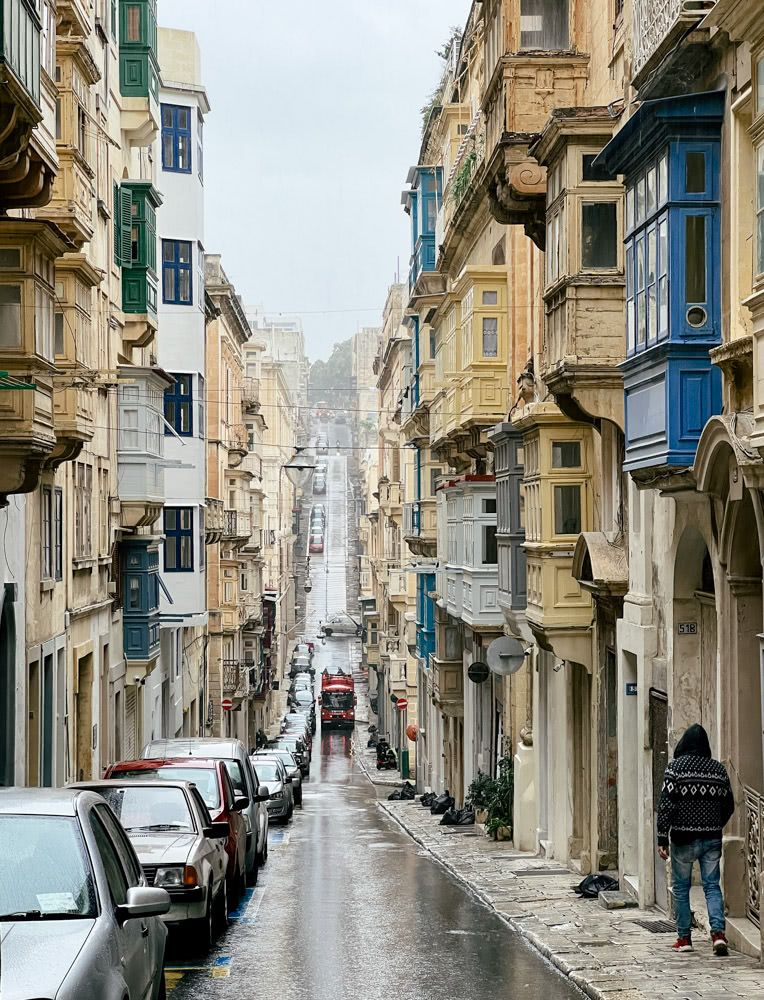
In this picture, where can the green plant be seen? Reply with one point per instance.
(463, 178)
(481, 791)
(501, 804)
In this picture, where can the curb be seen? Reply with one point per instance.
(377, 779)
(533, 940)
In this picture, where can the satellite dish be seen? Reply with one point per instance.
(505, 655)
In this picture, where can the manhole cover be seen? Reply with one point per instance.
(657, 926)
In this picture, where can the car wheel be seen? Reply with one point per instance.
(298, 798)
(222, 906)
(263, 855)
(241, 882)
(254, 871)
(290, 813)
(204, 930)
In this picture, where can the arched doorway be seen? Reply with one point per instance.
(7, 690)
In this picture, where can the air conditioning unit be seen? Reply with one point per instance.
(111, 588)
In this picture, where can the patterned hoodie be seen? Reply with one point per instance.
(696, 799)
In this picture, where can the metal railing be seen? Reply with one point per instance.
(235, 677)
(754, 817)
(250, 393)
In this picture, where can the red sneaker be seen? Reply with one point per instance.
(682, 944)
(719, 943)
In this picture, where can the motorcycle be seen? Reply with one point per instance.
(373, 737)
(386, 759)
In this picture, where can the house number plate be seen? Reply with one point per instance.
(688, 628)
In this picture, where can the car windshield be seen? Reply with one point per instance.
(268, 770)
(44, 869)
(205, 779)
(285, 757)
(162, 810)
(338, 701)
(303, 697)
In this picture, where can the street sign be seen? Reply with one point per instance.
(478, 672)
(226, 704)
(402, 704)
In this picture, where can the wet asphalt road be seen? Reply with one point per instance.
(349, 908)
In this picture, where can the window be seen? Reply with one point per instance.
(46, 514)
(125, 852)
(10, 316)
(178, 403)
(58, 533)
(590, 172)
(200, 276)
(113, 19)
(82, 133)
(200, 409)
(43, 321)
(122, 222)
(566, 454)
(599, 234)
(567, 510)
(544, 24)
(490, 337)
(83, 489)
(490, 557)
(490, 298)
(179, 539)
(58, 333)
(200, 147)
(176, 138)
(176, 272)
(132, 23)
(115, 874)
(202, 539)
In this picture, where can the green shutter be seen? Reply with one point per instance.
(115, 218)
(126, 227)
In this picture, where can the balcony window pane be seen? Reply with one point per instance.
(640, 208)
(650, 191)
(760, 86)
(134, 592)
(630, 208)
(490, 337)
(640, 289)
(58, 333)
(695, 258)
(133, 18)
(490, 556)
(10, 315)
(490, 298)
(489, 506)
(566, 454)
(567, 510)
(652, 311)
(599, 235)
(630, 297)
(695, 172)
(544, 24)
(663, 179)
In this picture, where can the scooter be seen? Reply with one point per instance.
(386, 760)
(373, 737)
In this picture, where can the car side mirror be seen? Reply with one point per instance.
(143, 901)
(217, 831)
(289, 779)
(262, 794)
(240, 802)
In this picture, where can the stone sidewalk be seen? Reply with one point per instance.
(606, 953)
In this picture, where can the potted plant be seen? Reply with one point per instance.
(500, 805)
(480, 794)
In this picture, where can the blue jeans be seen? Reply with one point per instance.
(708, 854)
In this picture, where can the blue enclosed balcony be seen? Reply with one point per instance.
(140, 593)
(669, 154)
(425, 616)
(422, 202)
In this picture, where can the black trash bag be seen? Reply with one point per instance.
(593, 885)
(441, 804)
(408, 792)
(395, 796)
(458, 817)
(427, 799)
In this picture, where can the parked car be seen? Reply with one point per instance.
(318, 508)
(304, 649)
(341, 624)
(317, 524)
(302, 664)
(179, 847)
(322, 445)
(292, 769)
(245, 783)
(273, 774)
(302, 682)
(215, 787)
(319, 484)
(77, 919)
(297, 747)
(316, 543)
(340, 418)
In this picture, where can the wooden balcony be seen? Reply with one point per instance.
(250, 394)
(398, 587)
(236, 680)
(237, 526)
(214, 521)
(420, 526)
(238, 444)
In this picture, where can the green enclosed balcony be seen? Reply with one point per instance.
(139, 70)
(136, 250)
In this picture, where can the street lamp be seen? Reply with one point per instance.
(299, 470)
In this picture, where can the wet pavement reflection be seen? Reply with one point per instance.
(349, 907)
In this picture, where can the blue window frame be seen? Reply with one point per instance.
(178, 539)
(177, 284)
(176, 138)
(178, 406)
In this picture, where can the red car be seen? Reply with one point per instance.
(214, 785)
(316, 543)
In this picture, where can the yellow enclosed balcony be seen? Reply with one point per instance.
(398, 586)
(483, 356)
(75, 355)
(447, 667)
(72, 201)
(28, 251)
(559, 506)
(420, 525)
(231, 613)
(390, 498)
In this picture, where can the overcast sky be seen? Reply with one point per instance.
(314, 124)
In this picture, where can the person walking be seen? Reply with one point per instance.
(695, 805)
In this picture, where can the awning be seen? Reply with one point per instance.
(601, 563)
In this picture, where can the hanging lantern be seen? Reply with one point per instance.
(412, 731)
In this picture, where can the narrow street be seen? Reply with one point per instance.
(319, 925)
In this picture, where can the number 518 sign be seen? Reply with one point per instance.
(688, 628)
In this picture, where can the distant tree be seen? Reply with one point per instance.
(333, 379)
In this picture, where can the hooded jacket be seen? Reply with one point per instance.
(696, 798)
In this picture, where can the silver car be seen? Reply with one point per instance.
(273, 773)
(244, 781)
(291, 767)
(77, 920)
(179, 847)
